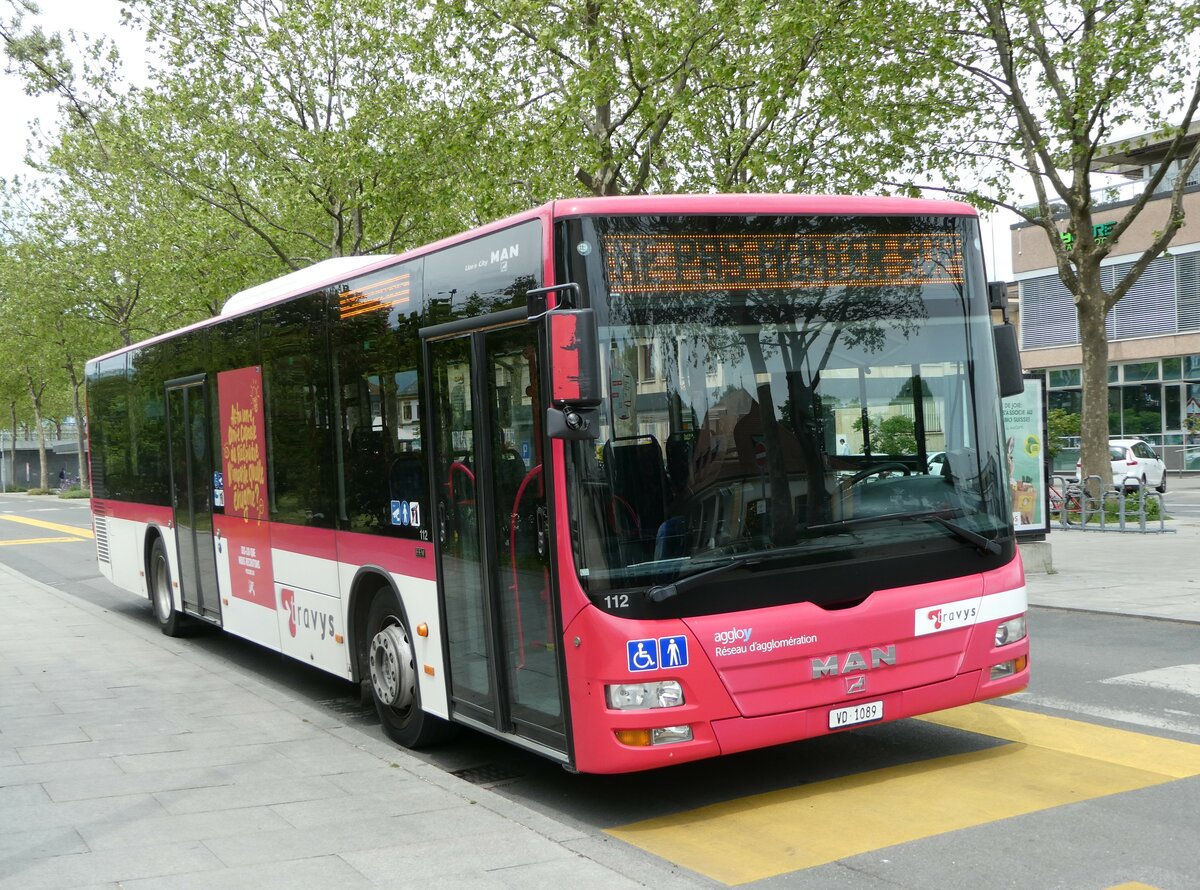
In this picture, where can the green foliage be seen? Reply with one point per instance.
(1048, 89)
(75, 493)
(1059, 425)
(894, 435)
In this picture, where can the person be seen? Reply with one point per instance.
(843, 448)
(62, 477)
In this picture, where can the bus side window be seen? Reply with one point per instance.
(298, 416)
(376, 348)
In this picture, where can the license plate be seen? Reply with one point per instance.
(865, 712)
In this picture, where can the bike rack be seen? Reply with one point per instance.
(1077, 493)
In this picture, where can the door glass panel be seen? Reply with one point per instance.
(455, 470)
(181, 496)
(200, 446)
(518, 487)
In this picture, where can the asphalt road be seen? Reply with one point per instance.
(1089, 780)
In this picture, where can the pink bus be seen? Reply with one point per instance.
(625, 481)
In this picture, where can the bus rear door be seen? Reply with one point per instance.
(191, 495)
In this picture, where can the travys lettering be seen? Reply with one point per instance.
(950, 616)
(302, 616)
(734, 635)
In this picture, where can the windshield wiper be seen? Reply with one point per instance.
(663, 592)
(985, 545)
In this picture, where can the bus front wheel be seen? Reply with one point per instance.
(169, 620)
(392, 666)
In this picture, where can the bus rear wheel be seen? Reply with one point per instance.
(392, 667)
(170, 621)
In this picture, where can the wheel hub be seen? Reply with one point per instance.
(392, 675)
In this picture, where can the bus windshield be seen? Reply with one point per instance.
(784, 392)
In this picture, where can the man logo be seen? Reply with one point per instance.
(853, 662)
(856, 684)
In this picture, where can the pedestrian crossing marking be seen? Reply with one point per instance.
(1048, 762)
(52, 526)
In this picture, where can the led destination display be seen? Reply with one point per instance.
(659, 263)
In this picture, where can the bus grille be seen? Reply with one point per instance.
(100, 523)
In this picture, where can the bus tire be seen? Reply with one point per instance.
(392, 671)
(170, 621)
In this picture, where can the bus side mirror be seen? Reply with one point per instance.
(998, 296)
(1008, 360)
(575, 391)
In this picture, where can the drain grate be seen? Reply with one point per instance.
(487, 774)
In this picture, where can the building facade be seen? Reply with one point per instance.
(1153, 333)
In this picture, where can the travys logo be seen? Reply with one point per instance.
(302, 616)
(946, 616)
(957, 617)
(733, 635)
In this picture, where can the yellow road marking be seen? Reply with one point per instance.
(1050, 761)
(53, 526)
(1133, 885)
(41, 541)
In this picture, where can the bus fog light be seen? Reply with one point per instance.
(1008, 668)
(643, 696)
(668, 735)
(1010, 631)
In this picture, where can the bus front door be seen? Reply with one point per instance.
(191, 495)
(491, 536)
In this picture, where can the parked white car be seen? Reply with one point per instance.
(1134, 463)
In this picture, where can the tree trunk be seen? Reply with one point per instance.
(80, 430)
(12, 406)
(35, 397)
(1093, 429)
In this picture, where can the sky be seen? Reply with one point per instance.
(94, 18)
(102, 18)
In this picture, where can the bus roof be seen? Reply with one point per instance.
(334, 271)
(819, 205)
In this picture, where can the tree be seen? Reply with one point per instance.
(1049, 86)
(296, 120)
(637, 96)
(1060, 424)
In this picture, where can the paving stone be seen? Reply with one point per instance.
(56, 872)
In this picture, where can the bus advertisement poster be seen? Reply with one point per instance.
(243, 456)
(1024, 432)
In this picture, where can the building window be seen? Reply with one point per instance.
(1187, 295)
(1065, 377)
(1047, 313)
(648, 361)
(1137, 372)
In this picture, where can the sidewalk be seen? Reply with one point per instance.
(1155, 575)
(134, 760)
(131, 759)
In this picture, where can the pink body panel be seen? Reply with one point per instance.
(769, 676)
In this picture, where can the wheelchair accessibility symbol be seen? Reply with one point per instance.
(651, 655)
(642, 655)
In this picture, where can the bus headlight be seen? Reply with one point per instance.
(1010, 631)
(643, 696)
